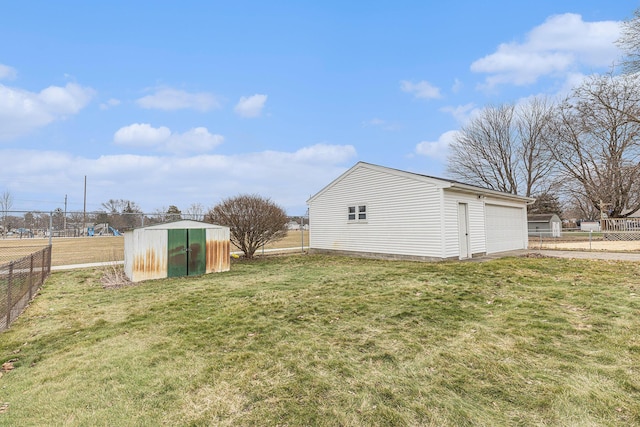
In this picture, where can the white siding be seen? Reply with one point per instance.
(218, 249)
(476, 223)
(145, 254)
(506, 225)
(404, 215)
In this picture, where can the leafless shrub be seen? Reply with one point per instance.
(113, 275)
(253, 221)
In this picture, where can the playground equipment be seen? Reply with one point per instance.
(101, 230)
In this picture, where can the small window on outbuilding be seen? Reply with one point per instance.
(357, 213)
(352, 213)
(362, 213)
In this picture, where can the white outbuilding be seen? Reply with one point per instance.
(377, 211)
(545, 225)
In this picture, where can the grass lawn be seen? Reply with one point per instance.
(320, 340)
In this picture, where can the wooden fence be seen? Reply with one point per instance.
(620, 228)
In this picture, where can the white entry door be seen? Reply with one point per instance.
(463, 231)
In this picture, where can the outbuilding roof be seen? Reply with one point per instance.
(440, 182)
(542, 217)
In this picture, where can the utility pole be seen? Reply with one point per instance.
(64, 220)
(84, 212)
(50, 227)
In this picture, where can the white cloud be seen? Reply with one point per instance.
(560, 44)
(66, 100)
(324, 153)
(422, 89)
(23, 111)
(7, 72)
(152, 181)
(196, 140)
(143, 135)
(461, 113)
(251, 106)
(110, 103)
(173, 99)
(437, 149)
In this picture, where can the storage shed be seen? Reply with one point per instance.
(377, 211)
(180, 248)
(544, 225)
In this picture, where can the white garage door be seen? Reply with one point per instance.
(505, 228)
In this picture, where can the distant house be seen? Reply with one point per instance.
(377, 211)
(590, 226)
(293, 225)
(544, 225)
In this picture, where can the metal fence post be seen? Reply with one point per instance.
(31, 277)
(43, 265)
(9, 282)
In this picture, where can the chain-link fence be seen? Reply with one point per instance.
(20, 280)
(28, 224)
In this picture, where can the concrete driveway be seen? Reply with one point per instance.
(574, 254)
(610, 256)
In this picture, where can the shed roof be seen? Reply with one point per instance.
(439, 182)
(182, 224)
(542, 217)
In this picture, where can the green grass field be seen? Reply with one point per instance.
(318, 340)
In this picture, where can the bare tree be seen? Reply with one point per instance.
(160, 215)
(120, 205)
(536, 166)
(76, 221)
(629, 42)
(504, 148)
(597, 143)
(195, 212)
(6, 203)
(253, 221)
(580, 208)
(122, 213)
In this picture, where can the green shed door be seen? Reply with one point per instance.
(177, 265)
(187, 252)
(197, 259)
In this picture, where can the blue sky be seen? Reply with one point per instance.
(176, 103)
